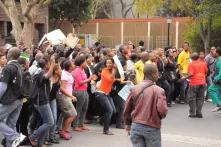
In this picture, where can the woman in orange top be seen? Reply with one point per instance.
(107, 79)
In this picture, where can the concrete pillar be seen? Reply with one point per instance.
(97, 30)
(177, 34)
(148, 36)
(122, 33)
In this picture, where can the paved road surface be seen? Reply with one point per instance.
(177, 131)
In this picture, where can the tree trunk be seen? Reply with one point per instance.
(28, 34)
(16, 24)
(206, 46)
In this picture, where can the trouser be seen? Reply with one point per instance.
(23, 119)
(53, 106)
(119, 104)
(209, 83)
(93, 109)
(81, 107)
(34, 120)
(47, 117)
(183, 89)
(145, 136)
(108, 108)
(167, 88)
(8, 118)
(215, 93)
(196, 99)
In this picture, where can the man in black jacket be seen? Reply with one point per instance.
(10, 99)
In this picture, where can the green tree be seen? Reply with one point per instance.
(23, 12)
(203, 12)
(75, 11)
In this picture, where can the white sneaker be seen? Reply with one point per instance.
(18, 140)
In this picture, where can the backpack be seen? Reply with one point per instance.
(34, 89)
(25, 83)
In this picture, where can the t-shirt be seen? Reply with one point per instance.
(139, 68)
(183, 61)
(67, 77)
(199, 71)
(79, 76)
(107, 81)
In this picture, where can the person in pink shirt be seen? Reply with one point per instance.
(80, 91)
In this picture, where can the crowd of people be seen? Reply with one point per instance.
(49, 91)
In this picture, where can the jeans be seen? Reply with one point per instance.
(8, 118)
(145, 136)
(47, 117)
(183, 89)
(53, 105)
(196, 99)
(81, 107)
(108, 108)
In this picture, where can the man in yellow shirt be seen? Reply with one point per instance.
(183, 63)
(139, 67)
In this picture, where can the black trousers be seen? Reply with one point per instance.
(107, 105)
(167, 88)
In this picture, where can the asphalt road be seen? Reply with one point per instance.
(177, 131)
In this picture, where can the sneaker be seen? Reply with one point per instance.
(192, 116)
(54, 140)
(18, 140)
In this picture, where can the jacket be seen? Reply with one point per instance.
(147, 109)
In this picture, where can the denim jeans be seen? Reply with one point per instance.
(107, 106)
(47, 117)
(53, 105)
(145, 136)
(183, 89)
(8, 118)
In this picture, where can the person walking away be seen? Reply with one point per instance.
(211, 61)
(40, 99)
(197, 71)
(102, 95)
(145, 107)
(80, 91)
(183, 62)
(11, 99)
(215, 88)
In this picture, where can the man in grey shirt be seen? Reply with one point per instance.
(211, 61)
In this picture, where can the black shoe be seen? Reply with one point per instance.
(199, 116)
(4, 142)
(120, 127)
(108, 133)
(192, 116)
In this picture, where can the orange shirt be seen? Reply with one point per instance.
(107, 81)
(199, 70)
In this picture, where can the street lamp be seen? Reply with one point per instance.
(169, 21)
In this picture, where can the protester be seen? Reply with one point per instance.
(214, 89)
(80, 91)
(40, 99)
(102, 96)
(197, 71)
(65, 99)
(139, 66)
(11, 99)
(145, 107)
(183, 62)
(3, 61)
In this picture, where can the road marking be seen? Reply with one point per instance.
(192, 140)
